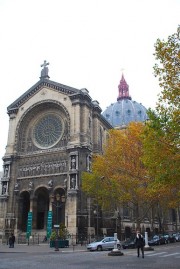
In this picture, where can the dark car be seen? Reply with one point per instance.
(170, 238)
(157, 240)
(129, 243)
(177, 236)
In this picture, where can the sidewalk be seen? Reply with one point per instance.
(41, 248)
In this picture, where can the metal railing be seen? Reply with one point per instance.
(38, 238)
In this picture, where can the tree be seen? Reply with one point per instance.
(62, 233)
(162, 135)
(119, 176)
(161, 138)
(167, 69)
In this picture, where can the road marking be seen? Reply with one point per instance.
(172, 254)
(155, 254)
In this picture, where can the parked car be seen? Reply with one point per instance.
(177, 236)
(170, 238)
(157, 240)
(106, 243)
(129, 243)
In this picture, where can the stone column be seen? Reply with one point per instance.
(146, 240)
(31, 204)
(71, 212)
(147, 247)
(11, 138)
(50, 202)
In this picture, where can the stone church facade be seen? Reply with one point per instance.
(53, 131)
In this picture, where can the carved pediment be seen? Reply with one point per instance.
(13, 108)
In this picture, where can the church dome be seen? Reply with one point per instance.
(125, 110)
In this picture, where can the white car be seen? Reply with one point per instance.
(106, 243)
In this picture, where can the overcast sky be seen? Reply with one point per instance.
(86, 42)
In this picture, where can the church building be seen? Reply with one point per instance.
(53, 131)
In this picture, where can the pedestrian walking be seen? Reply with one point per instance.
(140, 244)
(45, 239)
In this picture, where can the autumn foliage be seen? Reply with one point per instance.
(119, 176)
(163, 134)
(162, 137)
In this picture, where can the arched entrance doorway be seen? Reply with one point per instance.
(23, 209)
(58, 206)
(40, 208)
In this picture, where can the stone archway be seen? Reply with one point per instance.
(58, 207)
(40, 208)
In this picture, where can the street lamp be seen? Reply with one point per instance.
(116, 216)
(60, 200)
(96, 212)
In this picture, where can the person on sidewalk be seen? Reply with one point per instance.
(139, 244)
(11, 240)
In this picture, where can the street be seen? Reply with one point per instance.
(165, 257)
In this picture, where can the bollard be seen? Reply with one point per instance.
(56, 245)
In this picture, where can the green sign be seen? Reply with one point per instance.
(29, 225)
(49, 223)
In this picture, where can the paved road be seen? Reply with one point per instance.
(43, 257)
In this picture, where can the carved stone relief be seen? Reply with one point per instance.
(42, 169)
(73, 182)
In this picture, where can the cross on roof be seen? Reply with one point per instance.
(44, 64)
(44, 71)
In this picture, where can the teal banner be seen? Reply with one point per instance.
(29, 225)
(49, 224)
